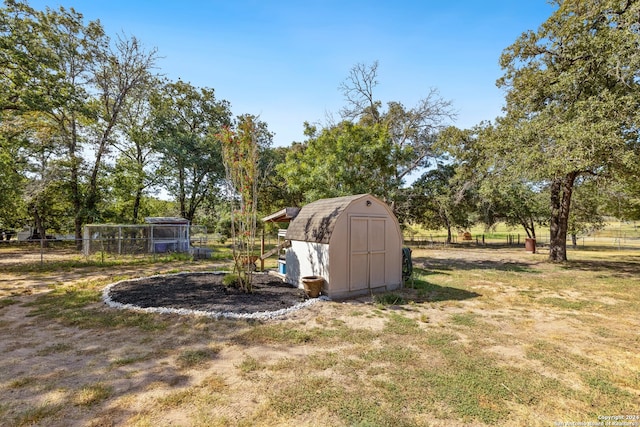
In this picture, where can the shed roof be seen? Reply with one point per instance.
(283, 215)
(166, 220)
(315, 221)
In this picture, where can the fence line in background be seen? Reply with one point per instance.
(101, 250)
(518, 240)
(203, 245)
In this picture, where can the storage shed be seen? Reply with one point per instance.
(353, 242)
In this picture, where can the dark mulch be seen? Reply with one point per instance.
(206, 292)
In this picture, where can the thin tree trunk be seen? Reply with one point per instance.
(528, 228)
(140, 183)
(533, 229)
(76, 197)
(181, 195)
(39, 225)
(136, 205)
(561, 190)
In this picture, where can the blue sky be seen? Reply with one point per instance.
(284, 60)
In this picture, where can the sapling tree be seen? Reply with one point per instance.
(240, 153)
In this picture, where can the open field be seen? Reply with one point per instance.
(615, 234)
(485, 337)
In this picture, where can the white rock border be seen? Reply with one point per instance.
(260, 315)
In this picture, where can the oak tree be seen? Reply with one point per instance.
(572, 101)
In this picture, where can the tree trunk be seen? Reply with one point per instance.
(39, 225)
(136, 205)
(529, 228)
(76, 197)
(181, 194)
(139, 181)
(561, 190)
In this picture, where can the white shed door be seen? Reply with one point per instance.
(367, 252)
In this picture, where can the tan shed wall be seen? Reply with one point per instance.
(339, 249)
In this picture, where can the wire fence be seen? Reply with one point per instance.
(121, 247)
(623, 241)
(209, 246)
(15, 252)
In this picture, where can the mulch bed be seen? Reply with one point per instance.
(198, 291)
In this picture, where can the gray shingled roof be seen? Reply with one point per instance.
(315, 221)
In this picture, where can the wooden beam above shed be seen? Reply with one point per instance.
(283, 215)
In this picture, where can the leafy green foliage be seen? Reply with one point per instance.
(231, 280)
(68, 83)
(188, 120)
(12, 181)
(341, 160)
(135, 173)
(411, 130)
(439, 198)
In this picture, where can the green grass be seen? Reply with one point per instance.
(615, 234)
(391, 354)
(604, 392)
(130, 360)
(21, 382)
(197, 357)
(78, 262)
(77, 306)
(207, 394)
(249, 364)
(389, 299)
(464, 319)
(398, 324)
(272, 333)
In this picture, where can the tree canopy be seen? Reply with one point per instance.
(572, 103)
(89, 132)
(372, 149)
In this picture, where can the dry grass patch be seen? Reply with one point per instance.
(484, 337)
(92, 394)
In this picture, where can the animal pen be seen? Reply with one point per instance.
(157, 235)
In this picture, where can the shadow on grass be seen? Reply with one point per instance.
(422, 291)
(439, 266)
(626, 266)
